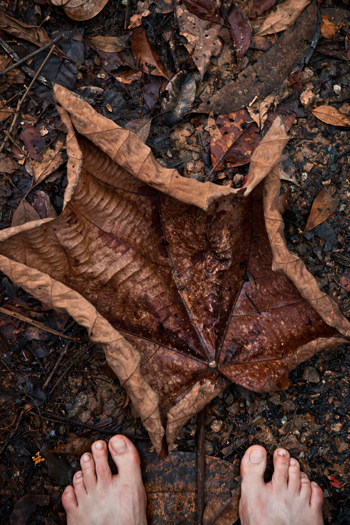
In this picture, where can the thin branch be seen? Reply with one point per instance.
(33, 322)
(45, 385)
(20, 102)
(31, 55)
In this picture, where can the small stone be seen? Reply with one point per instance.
(229, 400)
(233, 409)
(304, 176)
(109, 407)
(79, 404)
(94, 405)
(84, 416)
(288, 406)
(307, 98)
(337, 89)
(216, 425)
(289, 441)
(311, 375)
(275, 399)
(336, 427)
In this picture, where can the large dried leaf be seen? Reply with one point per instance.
(202, 37)
(323, 206)
(331, 115)
(283, 17)
(33, 34)
(147, 261)
(256, 80)
(80, 9)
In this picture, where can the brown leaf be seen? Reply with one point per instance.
(202, 37)
(331, 115)
(5, 111)
(80, 10)
(7, 165)
(323, 206)
(144, 54)
(141, 127)
(147, 261)
(222, 509)
(240, 30)
(33, 34)
(43, 206)
(205, 9)
(109, 44)
(77, 447)
(256, 80)
(128, 77)
(328, 28)
(52, 159)
(260, 6)
(284, 16)
(170, 485)
(24, 213)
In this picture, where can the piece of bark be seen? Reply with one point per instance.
(257, 80)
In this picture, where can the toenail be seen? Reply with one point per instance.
(79, 474)
(293, 462)
(99, 445)
(281, 452)
(86, 457)
(256, 456)
(119, 445)
(315, 484)
(303, 475)
(67, 489)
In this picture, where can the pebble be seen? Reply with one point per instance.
(288, 406)
(216, 425)
(275, 399)
(84, 416)
(79, 403)
(311, 375)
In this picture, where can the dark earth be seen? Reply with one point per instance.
(56, 390)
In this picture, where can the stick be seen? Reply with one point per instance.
(31, 55)
(26, 69)
(20, 102)
(33, 322)
(201, 465)
(45, 385)
(10, 436)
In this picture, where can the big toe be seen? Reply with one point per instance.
(253, 466)
(126, 457)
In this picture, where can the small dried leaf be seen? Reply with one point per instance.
(7, 165)
(52, 159)
(202, 38)
(80, 10)
(222, 509)
(240, 30)
(323, 206)
(179, 96)
(109, 44)
(77, 447)
(43, 206)
(145, 55)
(328, 28)
(205, 9)
(331, 115)
(141, 127)
(33, 34)
(5, 111)
(24, 213)
(283, 17)
(128, 77)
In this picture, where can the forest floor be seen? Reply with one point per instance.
(57, 390)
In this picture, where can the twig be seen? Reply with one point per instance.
(201, 465)
(26, 69)
(31, 55)
(20, 102)
(33, 322)
(10, 436)
(45, 385)
(66, 371)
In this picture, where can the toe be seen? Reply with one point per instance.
(88, 467)
(100, 454)
(281, 467)
(305, 486)
(294, 476)
(127, 459)
(69, 501)
(316, 499)
(79, 486)
(253, 466)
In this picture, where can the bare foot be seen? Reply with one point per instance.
(98, 498)
(288, 499)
